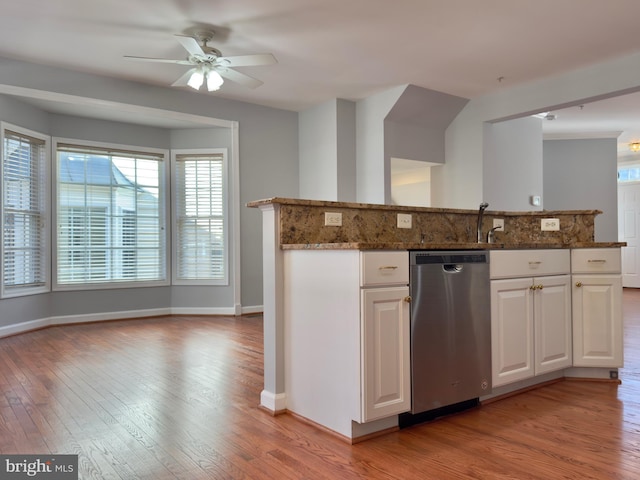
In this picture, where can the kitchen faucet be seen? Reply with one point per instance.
(491, 234)
(483, 207)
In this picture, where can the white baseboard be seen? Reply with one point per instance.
(203, 311)
(274, 402)
(254, 309)
(22, 327)
(100, 317)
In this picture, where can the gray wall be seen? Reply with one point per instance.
(268, 152)
(582, 175)
(318, 158)
(512, 169)
(346, 145)
(414, 142)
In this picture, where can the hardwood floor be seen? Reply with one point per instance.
(176, 397)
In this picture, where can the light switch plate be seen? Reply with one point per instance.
(550, 224)
(404, 220)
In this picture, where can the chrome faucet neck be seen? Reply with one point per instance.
(483, 207)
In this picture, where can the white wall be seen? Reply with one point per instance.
(370, 149)
(460, 183)
(327, 145)
(512, 168)
(582, 174)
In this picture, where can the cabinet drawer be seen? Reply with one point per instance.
(529, 263)
(595, 260)
(384, 268)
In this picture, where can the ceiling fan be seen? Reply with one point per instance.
(209, 65)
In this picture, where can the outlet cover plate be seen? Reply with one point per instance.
(550, 224)
(333, 219)
(404, 220)
(499, 222)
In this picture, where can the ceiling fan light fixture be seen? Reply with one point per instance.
(214, 81)
(196, 80)
(634, 147)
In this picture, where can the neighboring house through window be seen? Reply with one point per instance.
(24, 177)
(110, 215)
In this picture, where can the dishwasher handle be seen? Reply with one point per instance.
(452, 267)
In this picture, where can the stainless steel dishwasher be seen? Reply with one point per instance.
(450, 328)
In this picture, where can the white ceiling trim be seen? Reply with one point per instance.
(580, 135)
(144, 115)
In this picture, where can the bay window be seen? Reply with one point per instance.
(24, 175)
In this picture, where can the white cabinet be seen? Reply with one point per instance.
(385, 328)
(385, 372)
(346, 337)
(530, 315)
(597, 308)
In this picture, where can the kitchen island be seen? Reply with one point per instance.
(321, 361)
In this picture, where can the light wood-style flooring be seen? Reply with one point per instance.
(177, 397)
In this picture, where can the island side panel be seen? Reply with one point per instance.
(322, 336)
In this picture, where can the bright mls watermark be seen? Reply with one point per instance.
(49, 467)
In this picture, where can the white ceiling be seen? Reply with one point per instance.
(338, 48)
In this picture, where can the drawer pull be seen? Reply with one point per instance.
(388, 267)
(578, 284)
(596, 261)
(535, 263)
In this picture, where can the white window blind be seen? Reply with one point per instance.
(110, 216)
(24, 245)
(200, 205)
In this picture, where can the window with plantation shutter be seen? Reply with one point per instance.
(110, 216)
(24, 212)
(199, 202)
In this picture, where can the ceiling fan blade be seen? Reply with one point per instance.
(182, 81)
(248, 60)
(191, 45)
(239, 78)
(158, 60)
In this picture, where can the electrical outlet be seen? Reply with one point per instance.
(499, 222)
(404, 220)
(550, 224)
(333, 219)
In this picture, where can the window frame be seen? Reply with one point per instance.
(163, 205)
(45, 213)
(175, 280)
(626, 165)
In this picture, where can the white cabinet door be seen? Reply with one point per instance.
(511, 330)
(386, 387)
(597, 321)
(552, 323)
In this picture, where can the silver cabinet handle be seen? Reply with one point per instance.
(388, 267)
(535, 263)
(596, 261)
